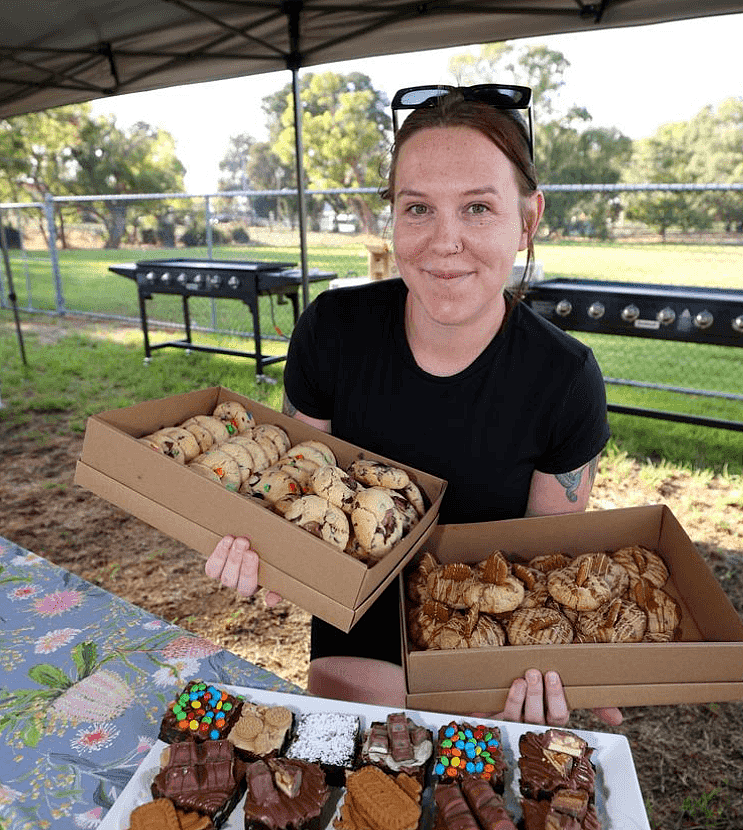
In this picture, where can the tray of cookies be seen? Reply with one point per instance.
(319, 763)
(332, 522)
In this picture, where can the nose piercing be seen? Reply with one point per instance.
(458, 247)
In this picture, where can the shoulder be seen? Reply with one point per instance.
(545, 339)
(376, 295)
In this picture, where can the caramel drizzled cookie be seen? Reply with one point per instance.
(547, 562)
(417, 579)
(580, 586)
(663, 612)
(642, 563)
(538, 626)
(619, 621)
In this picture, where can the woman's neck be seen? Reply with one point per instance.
(446, 350)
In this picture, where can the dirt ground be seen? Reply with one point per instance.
(689, 758)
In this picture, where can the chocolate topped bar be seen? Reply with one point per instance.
(554, 760)
(471, 804)
(546, 815)
(200, 712)
(465, 749)
(282, 794)
(398, 745)
(202, 776)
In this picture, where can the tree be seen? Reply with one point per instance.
(664, 159)
(108, 160)
(568, 149)
(345, 126)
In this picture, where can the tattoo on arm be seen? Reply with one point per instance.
(288, 407)
(571, 481)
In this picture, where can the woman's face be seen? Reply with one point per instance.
(457, 224)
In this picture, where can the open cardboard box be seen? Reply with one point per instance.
(705, 665)
(167, 495)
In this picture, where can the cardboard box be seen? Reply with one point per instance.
(706, 665)
(301, 567)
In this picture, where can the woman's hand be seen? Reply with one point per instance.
(533, 699)
(235, 564)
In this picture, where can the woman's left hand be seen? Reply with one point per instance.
(533, 699)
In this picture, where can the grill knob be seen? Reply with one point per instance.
(233, 282)
(704, 319)
(181, 278)
(198, 279)
(165, 277)
(150, 276)
(738, 324)
(563, 308)
(666, 316)
(596, 310)
(630, 313)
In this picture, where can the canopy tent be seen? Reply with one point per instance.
(55, 52)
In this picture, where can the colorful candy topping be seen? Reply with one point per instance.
(203, 709)
(467, 750)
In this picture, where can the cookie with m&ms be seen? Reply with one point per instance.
(201, 712)
(465, 750)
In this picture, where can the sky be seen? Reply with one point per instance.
(635, 79)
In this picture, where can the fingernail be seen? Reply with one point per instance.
(533, 676)
(553, 678)
(242, 545)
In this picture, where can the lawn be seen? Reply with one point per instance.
(88, 286)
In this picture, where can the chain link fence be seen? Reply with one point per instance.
(60, 251)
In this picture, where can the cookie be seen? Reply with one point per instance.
(448, 583)
(213, 425)
(615, 576)
(159, 813)
(416, 583)
(255, 450)
(377, 474)
(538, 626)
(497, 592)
(260, 731)
(315, 451)
(165, 444)
(415, 496)
(663, 612)
(335, 485)
(432, 625)
(234, 416)
(547, 562)
(275, 434)
(321, 518)
(272, 485)
(619, 621)
(577, 587)
(266, 443)
(203, 437)
(380, 802)
(300, 469)
(642, 563)
(375, 520)
(241, 456)
(222, 465)
(186, 441)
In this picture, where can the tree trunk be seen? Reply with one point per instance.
(115, 224)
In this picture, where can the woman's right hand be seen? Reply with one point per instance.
(235, 564)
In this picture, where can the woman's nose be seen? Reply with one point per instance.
(446, 235)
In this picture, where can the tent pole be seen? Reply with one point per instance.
(11, 292)
(301, 205)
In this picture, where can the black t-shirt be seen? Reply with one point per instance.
(533, 400)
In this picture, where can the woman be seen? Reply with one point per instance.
(445, 371)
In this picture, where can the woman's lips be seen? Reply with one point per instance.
(447, 275)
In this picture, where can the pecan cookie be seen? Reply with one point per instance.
(642, 563)
(538, 626)
(318, 516)
(497, 591)
(577, 586)
(376, 522)
(619, 621)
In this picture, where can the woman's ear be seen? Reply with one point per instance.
(533, 209)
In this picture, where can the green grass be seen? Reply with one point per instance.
(95, 370)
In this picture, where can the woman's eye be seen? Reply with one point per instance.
(478, 209)
(417, 210)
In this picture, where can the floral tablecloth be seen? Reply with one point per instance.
(86, 677)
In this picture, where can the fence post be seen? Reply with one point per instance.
(210, 252)
(52, 236)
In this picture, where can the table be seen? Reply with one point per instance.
(223, 278)
(86, 677)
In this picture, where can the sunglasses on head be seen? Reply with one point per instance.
(500, 96)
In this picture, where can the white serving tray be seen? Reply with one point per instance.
(619, 801)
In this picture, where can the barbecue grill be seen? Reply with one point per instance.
(691, 314)
(225, 279)
(666, 312)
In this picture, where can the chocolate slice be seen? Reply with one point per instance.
(283, 794)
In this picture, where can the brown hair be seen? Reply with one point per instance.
(505, 128)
